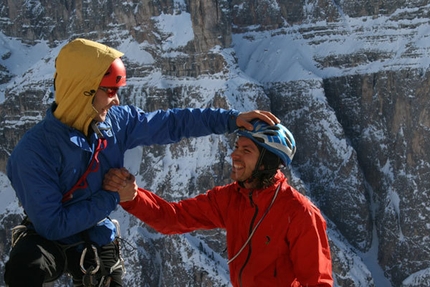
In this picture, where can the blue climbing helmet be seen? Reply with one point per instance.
(276, 139)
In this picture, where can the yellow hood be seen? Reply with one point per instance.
(80, 67)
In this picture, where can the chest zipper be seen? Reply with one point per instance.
(252, 230)
(250, 233)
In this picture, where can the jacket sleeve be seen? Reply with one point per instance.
(35, 180)
(187, 215)
(170, 126)
(310, 250)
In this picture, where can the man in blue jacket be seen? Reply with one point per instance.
(58, 167)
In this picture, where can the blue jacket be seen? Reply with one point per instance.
(52, 156)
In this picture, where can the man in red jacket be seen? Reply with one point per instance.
(275, 235)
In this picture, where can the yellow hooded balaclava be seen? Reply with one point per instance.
(80, 67)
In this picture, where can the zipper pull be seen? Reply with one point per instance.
(250, 198)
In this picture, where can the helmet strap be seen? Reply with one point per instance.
(256, 171)
(263, 178)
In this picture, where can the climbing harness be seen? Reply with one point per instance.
(91, 277)
(120, 263)
(19, 231)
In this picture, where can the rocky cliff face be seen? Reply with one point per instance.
(387, 124)
(350, 81)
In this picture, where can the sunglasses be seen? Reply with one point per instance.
(111, 92)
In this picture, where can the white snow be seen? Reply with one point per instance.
(176, 30)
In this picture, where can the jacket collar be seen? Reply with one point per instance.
(279, 178)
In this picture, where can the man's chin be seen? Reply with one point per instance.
(234, 177)
(100, 118)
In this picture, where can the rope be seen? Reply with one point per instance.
(256, 226)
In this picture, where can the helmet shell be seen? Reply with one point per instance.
(115, 75)
(276, 139)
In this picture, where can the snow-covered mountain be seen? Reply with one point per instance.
(350, 79)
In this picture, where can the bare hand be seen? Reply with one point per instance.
(121, 181)
(244, 119)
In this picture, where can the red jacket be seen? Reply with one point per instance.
(289, 247)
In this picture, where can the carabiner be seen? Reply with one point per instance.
(96, 258)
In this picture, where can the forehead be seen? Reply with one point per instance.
(246, 142)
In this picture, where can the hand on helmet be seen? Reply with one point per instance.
(244, 119)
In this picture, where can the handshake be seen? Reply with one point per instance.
(122, 181)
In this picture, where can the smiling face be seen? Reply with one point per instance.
(244, 158)
(102, 102)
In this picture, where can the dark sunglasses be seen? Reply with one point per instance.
(111, 92)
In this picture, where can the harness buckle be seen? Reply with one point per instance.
(89, 279)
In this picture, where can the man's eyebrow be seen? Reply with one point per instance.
(249, 146)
